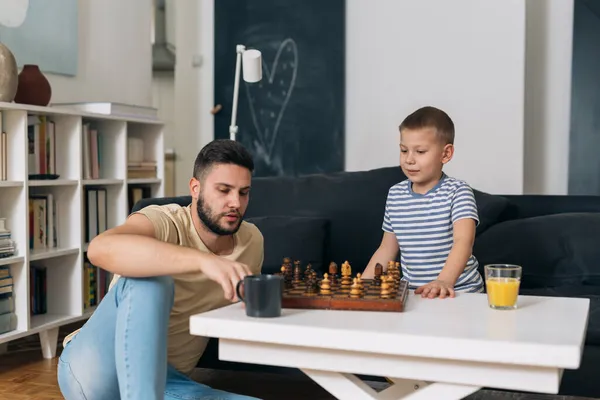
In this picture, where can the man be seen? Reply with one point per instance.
(170, 262)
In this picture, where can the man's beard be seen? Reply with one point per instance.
(211, 221)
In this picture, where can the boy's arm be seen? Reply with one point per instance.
(387, 250)
(465, 217)
(133, 250)
(464, 237)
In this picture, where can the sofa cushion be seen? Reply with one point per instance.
(490, 209)
(554, 250)
(300, 238)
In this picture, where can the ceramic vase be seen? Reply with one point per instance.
(33, 87)
(9, 75)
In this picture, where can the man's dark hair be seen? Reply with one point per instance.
(431, 117)
(222, 151)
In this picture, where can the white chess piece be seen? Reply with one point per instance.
(13, 12)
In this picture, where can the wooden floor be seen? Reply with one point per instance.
(28, 376)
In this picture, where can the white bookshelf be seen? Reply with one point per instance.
(65, 263)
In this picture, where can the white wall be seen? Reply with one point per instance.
(548, 95)
(465, 56)
(114, 54)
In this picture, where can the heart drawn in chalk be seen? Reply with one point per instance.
(268, 98)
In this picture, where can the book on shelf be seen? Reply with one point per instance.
(7, 245)
(41, 141)
(137, 193)
(92, 153)
(3, 151)
(96, 212)
(38, 288)
(8, 318)
(43, 232)
(3, 156)
(95, 284)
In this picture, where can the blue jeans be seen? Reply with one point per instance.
(121, 351)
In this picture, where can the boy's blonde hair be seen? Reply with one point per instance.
(431, 117)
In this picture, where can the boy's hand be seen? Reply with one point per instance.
(435, 289)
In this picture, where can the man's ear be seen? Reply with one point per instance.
(194, 187)
(447, 153)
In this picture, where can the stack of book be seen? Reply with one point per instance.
(7, 245)
(8, 318)
(144, 169)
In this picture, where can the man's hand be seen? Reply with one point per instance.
(435, 289)
(226, 273)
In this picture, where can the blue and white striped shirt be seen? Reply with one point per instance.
(423, 225)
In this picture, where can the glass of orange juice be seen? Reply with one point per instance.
(502, 283)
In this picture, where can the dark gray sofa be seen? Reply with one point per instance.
(338, 216)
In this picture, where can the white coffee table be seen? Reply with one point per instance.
(436, 349)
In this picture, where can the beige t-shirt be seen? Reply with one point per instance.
(194, 292)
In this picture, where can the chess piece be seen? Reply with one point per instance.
(287, 277)
(325, 285)
(360, 282)
(348, 268)
(346, 274)
(355, 291)
(391, 265)
(297, 273)
(333, 268)
(377, 276)
(385, 288)
(311, 287)
(308, 272)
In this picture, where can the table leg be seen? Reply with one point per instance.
(349, 387)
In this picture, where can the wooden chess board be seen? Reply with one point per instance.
(340, 291)
(339, 299)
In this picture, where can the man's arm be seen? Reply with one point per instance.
(132, 250)
(464, 237)
(387, 251)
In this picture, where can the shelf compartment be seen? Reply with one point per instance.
(103, 149)
(13, 123)
(13, 209)
(55, 288)
(20, 293)
(53, 141)
(66, 218)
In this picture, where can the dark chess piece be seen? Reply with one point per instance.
(287, 277)
(297, 273)
(377, 275)
(311, 285)
(308, 272)
(333, 276)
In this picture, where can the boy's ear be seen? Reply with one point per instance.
(447, 153)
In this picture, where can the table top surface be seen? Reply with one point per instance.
(543, 331)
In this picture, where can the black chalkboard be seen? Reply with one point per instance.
(293, 120)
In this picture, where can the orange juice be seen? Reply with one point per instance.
(502, 292)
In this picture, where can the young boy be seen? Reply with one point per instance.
(430, 217)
